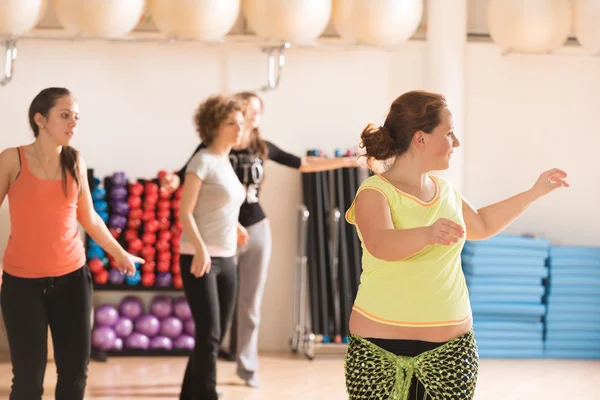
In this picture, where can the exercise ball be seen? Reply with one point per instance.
(207, 20)
(532, 26)
(18, 17)
(295, 21)
(377, 22)
(586, 14)
(99, 18)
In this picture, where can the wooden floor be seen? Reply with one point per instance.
(287, 377)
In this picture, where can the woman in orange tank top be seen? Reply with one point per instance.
(46, 282)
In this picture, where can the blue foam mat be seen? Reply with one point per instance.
(511, 353)
(536, 326)
(572, 325)
(506, 289)
(575, 271)
(507, 260)
(577, 251)
(505, 298)
(570, 260)
(513, 241)
(484, 334)
(573, 335)
(583, 308)
(509, 280)
(557, 344)
(572, 354)
(506, 317)
(573, 289)
(573, 298)
(575, 280)
(572, 316)
(510, 344)
(501, 270)
(474, 250)
(509, 309)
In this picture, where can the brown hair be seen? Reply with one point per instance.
(69, 157)
(257, 145)
(410, 113)
(211, 114)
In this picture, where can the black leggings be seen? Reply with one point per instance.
(407, 348)
(29, 306)
(212, 300)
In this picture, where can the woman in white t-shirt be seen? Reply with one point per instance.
(210, 204)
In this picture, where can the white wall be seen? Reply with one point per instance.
(526, 114)
(137, 102)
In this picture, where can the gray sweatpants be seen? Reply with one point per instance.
(253, 264)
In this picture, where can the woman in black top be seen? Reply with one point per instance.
(247, 159)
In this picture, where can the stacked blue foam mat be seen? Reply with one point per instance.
(506, 279)
(573, 320)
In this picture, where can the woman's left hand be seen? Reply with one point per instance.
(126, 263)
(549, 181)
(242, 236)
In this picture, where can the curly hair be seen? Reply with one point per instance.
(211, 114)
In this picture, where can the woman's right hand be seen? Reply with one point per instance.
(200, 264)
(445, 232)
(169, 182)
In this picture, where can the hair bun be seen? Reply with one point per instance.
(377, 142)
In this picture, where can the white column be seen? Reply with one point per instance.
(446, 45)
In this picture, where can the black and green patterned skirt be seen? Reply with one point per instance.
(446, 372)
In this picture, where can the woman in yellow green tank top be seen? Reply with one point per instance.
(411, 327)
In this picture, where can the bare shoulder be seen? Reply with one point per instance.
(82, 163)
(10, 162)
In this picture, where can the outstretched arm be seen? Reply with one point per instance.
(493, 219)
(308, 163)
(318, 164)
(383, 241)
(97, 229)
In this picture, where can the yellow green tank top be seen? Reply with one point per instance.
(427, 289)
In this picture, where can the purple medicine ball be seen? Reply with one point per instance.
(123, 327)
(161, 342)
(161, 306)
(137, 341)
(103, 338)
(131, 307)
(148, 325)
(106, 315)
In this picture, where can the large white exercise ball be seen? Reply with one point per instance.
(294, 21)
(377, 22)
(18, 17)
(99, 18)
(586, 21)
(530, 26)
(207, 20)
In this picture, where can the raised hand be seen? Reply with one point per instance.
(549, 181)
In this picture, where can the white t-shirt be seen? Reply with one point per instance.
(218, 206)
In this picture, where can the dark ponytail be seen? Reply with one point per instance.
(69, 157)
(410, 113)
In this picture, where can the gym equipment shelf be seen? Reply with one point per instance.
(133, 288)
(148, 353)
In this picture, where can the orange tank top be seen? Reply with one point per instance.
(44, 240)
